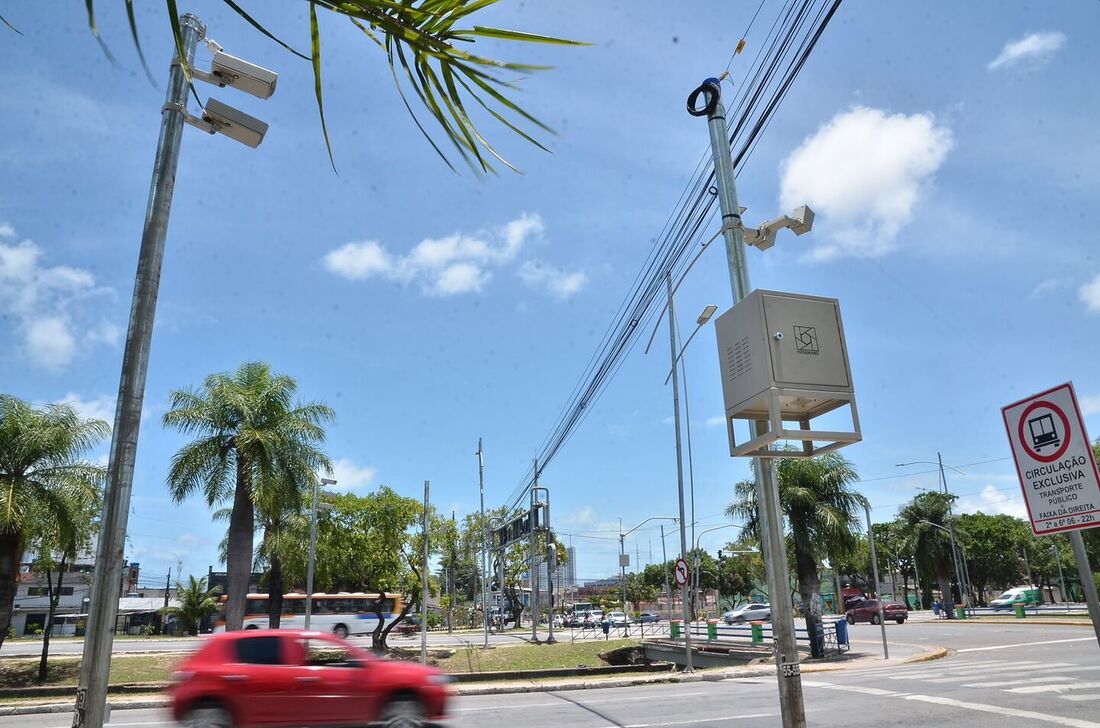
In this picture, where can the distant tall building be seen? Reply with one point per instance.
(565, 576)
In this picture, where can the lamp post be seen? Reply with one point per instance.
(874, 570)
(622, 551)
(959, 571)
(313, 546)
(484, 546)
(95, 665)
(963, 589)
(697, 560)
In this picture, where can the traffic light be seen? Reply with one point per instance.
(495, 585)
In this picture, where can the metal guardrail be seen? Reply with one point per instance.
(700, 633)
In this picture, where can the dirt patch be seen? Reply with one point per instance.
(630, 655)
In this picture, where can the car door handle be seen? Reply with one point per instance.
(235, 678)
(306, 680)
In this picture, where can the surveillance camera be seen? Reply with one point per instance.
(234, 124)
(229, 70)
(802, 220)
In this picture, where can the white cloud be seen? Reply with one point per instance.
(1090, 404)
(1047, 286)
(863, 172)
(351, 477)
(100, 408)
(992, 502)
(560, 284)
(1036, 49)
(43, 303)
(358, 261)
(1090, 294)
(451, 265)
(715, 422)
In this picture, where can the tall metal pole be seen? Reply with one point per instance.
(874, 569)
(916, 582)
(1088, 582)
(664, 568)
(533, 570)
(310, 566)
(549, 577)
(424, 582)
(679, 472)
(963, 588)
(767, 487)
(484, 548)
(95, 666)
(622, 566)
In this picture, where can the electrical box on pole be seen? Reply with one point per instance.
(783, 359)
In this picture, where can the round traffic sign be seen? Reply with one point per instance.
(681, 572)
(1044, 425)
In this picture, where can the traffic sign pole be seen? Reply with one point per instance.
(1058, 474)
(1088, 582)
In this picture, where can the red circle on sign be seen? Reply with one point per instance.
(1065, 428)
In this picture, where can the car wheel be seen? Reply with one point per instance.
(252, 626)
(340, 631)
(403, 712)
(207, 716)
(874, 619)
(901, 620)
(850, 619)
(740, 620)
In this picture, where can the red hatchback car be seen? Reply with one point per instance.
(867, 611)
(261, 678)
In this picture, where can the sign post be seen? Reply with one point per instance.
(1058, 474)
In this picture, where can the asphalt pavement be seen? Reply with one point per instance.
(999, 675)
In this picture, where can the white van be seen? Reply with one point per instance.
(1026, 595)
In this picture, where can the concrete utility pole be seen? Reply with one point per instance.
(91, 695)
(424, 582)
(963, 587)
(1088, 582)
(874, 569)
(622, 564)
(679, 472)
(767, 487)
(484, 547)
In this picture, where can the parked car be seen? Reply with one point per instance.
(409, 625)
(1026, 595)
(618, 619)
(751, 612)
(867, 611)
(259, 678)
(647, 617)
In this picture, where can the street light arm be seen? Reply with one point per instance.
(683, 349)
(652, 518)
(699, 538)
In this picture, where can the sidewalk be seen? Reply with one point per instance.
(549, 684)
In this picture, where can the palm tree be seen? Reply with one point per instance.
(424, 44)
(822, 514)
(251, 437)
(196, 602)
(42, 474)
(931, 543)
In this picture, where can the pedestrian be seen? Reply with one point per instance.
(936, 608)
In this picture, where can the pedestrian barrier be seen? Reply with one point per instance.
(832, 637)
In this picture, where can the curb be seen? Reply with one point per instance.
(716, 675)
(1029, 620)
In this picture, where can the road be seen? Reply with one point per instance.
(1003, 675)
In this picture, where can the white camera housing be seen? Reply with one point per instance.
(235, 124)
(227, 70)
(801, 220)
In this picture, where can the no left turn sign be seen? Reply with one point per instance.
(681, 572)
(1054, 460)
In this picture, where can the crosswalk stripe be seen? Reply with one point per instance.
(1081, 696)
(962, 676)
(968, 669)
(1031, 680)
(1056, 688)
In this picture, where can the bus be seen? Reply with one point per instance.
(342, 613)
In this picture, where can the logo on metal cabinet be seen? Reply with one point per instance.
(805, 340)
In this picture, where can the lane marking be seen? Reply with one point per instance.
(850, 688)
(1005, 683)
(963, 676)
(1025, 644)
(1009, 712)
(1084, 696)
(698, 720)
(1056, 688)
(513, 706)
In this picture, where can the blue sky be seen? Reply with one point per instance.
(949, 149)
